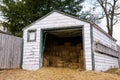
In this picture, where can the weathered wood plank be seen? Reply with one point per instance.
(99, 47)
(10, 51)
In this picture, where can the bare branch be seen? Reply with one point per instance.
(115, 22)
(117, 14)
(110, 10)
(109, 4)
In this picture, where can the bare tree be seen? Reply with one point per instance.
(111, 10)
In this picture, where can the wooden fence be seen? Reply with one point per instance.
(10, 51)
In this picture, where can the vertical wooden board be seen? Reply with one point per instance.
(10, 52)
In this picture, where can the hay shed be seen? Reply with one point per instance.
(61, 40)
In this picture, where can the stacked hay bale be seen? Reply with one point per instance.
(66, 55)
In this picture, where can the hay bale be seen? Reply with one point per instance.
(74, 60)
(60, 65)
(72, 49)
(66, 64)
(74, 65)
(65, 54)
(62, 55)
(60, 61)
(45, 62)
(79, 46)
(54, 60)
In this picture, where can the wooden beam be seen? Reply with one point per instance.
(101, 48)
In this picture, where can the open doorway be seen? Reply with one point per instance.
(63, 48)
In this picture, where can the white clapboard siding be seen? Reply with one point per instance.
(57, 20)
(87, 46)
(102, 38)
(31, 52)
(54, 20)
(118, 48)
(103, 61)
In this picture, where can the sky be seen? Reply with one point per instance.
(116, 30)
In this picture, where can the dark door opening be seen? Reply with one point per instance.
(63, 48)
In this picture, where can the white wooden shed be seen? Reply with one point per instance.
(99, 48)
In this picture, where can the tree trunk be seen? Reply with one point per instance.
(110, 32)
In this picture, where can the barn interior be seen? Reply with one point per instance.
(63, 48)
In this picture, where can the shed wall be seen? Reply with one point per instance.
(87, 48)
(31, 52)
(118, 48)
(32, 57)
(103, 61)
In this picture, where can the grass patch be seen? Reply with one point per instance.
(114, 71)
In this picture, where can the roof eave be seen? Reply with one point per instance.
(103, 31)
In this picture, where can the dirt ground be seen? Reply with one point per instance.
(58, 74)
